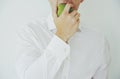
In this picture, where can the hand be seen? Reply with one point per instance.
(53, 4)
(66, 24)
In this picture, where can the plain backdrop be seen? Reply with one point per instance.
(103, 15)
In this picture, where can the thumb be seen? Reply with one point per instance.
(53, 4)
(54, 12)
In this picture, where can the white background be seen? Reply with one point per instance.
(103, 15)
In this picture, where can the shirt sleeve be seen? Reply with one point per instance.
(36, 63)
(102, 72)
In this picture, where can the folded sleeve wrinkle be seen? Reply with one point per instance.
(37, 62)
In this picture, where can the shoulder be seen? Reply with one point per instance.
(92, 34)
(94, 38)
(33, 27)
(40, 24)
(98, 42)
(34, 32)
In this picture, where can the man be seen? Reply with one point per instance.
(60, 48)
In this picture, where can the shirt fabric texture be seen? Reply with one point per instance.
(43, 55)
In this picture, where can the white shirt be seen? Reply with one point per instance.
(43, 55)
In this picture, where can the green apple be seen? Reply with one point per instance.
(61, 8)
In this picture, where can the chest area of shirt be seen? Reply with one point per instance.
(84, 59)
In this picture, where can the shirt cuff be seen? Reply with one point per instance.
(58, 47)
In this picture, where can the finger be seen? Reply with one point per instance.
(77, 24)
(77, 16)
(67, 8)
(78, 20)
(53, 4)
(73, 13)
(54, 13)
(75, 19)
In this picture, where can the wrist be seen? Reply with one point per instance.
(62, 37)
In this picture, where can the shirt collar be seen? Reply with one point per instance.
(51, 24)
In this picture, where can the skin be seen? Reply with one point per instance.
(75, 3)
(67, 23)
